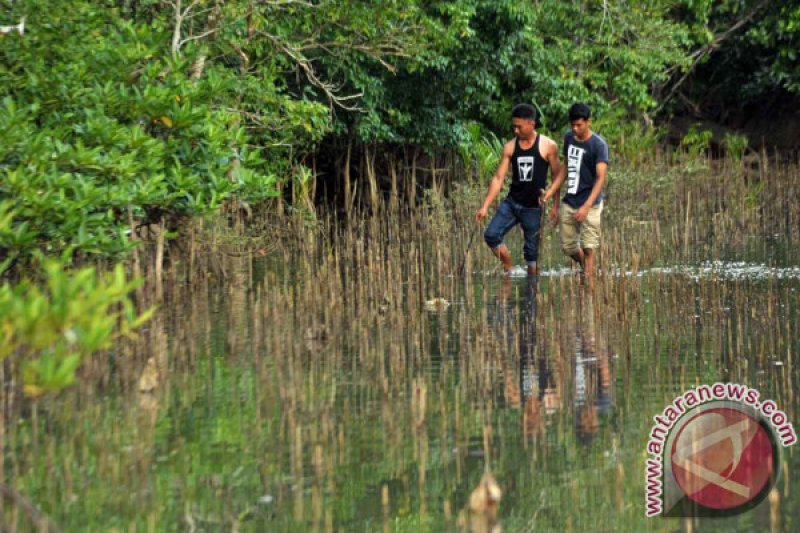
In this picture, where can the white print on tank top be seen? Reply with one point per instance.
(574, 158)
(525, 166)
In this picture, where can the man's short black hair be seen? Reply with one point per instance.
(526, 111)
(579, 111)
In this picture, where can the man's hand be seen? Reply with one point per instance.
(581, 214)
(544, 197)
(481, 214)
(554, 215)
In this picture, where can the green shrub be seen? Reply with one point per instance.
(51, 325)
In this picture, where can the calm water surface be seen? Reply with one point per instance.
(329, 397)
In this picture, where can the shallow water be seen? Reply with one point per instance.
(328, 396)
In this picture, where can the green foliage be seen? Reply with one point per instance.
(631, 141)
(480, 152)
(696, 142)
(736, 145)
(484, 56)
(52, 327)
(112, 106)
(746, 53)
(97, 116)
(302, 190)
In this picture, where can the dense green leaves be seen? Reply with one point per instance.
(173, 107)
(97, 117)
(56, 326)
(744, 53)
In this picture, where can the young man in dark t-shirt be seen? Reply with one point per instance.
(529, 155)
(586, 158)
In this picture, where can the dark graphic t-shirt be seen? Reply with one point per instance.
(529, 171)
(581, 159)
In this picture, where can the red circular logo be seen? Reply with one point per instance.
(722, 458)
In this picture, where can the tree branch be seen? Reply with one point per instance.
(330, 90)
(181, 14)
(196, 37)
(698, 55)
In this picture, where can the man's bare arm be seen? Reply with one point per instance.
(581, 214)
(496, 184)
(559, 173)
(602, 170)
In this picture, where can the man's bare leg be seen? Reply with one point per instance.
(505, 289)
(579, 258)
(533, 268)
(502, 253)
(588, 267)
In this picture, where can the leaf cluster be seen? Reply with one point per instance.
(51, 325)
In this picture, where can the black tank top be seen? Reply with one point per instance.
(529, 174)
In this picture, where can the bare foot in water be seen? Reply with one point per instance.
(504, 255)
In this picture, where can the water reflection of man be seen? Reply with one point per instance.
(593, 392)
(538, 388)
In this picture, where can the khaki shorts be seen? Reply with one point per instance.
(583, 235)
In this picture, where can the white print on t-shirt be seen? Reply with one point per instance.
(574, 158)
(525, 166)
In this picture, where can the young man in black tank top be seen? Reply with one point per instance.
(529, 155)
